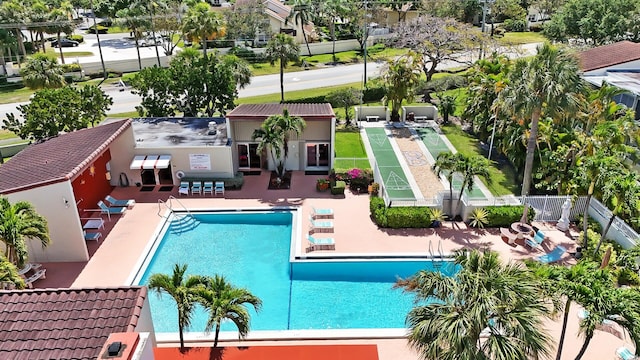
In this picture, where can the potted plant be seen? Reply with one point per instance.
(373, 189)
(436, 217)
(322, 185)
(479, 218)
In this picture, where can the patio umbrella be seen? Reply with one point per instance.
(525, 214)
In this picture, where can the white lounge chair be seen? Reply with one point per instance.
(322, 213)
(219, 189)
(320, 243)
(40, 274)
(320, 224)
(122, 203)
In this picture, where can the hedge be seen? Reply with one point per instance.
(78, 38)
(338, 188)
(502, 216)
(399, 217)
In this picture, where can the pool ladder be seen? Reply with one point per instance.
(181, 222)
(436, 264)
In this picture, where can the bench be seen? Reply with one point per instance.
(235, 182)
(372, 118)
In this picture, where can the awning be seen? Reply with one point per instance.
(150, 162)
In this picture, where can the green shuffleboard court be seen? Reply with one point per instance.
(394, 179)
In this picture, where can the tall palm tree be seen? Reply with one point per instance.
(270, 139)
(301, 14)
(41, 71)
(548, 83)
(201, 22)
(282, 48)
(19, 222)
(275, 132)
(622, 193)
(448, 163)
(486, 298)
(132, 18)
(60, 16)
(14, 12)
(470, 167)
(227, 302)
(400, 76)
(332, 10)
(182, 290)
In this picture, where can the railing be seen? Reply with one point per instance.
(169, 205)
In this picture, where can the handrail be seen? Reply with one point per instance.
(430, 250)
(440, 250)
(171, 197)
(160, 203)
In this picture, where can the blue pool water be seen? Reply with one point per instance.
(252, 250)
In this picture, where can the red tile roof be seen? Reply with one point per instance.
(65, 323)
(262, 111)
(609, 55)
(59, 158)
(292, 352)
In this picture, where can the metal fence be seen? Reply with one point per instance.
(549, 207)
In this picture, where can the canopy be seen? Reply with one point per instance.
(150, 162)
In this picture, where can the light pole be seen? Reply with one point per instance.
(484, 19)
(365, 34)
(95, 28)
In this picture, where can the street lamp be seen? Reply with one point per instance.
(95, 28)
(484, 19)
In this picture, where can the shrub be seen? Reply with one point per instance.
(72, 67)
(374, 92)
(338, 188)
(375, 188)
(536, 27)
(478, 218)
(248, 55)
(515, 25)
(502, 216)
(78, 38)
(627, 276)
(100, 29)
(408, 217)
(591, 224)
(376, 203)
(443, 84)
(436, 217)
(308, 100)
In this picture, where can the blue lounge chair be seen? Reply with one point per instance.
(196, 188)
(208, 188)
(322, 213)
(219, 189)
(321, 224)
(184, 188)
(92, 236)
(625, 354)
(122, 203)
(111, 210)
(555, 255)
(534, 242)
(321, 243)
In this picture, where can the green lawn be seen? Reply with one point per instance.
(56, 52)
(6, 134)
(503, 182)
(520, 38)
(349, 144)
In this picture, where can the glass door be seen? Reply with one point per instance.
(317, 155)
(248, 156)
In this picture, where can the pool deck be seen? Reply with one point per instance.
(115, 256)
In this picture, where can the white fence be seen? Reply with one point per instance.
(549, 207)
(620, 231)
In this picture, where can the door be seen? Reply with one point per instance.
(148, 177)
(248, 156)
(318, 155)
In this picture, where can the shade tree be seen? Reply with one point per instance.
(400, 76)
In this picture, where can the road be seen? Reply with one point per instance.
(124, 101)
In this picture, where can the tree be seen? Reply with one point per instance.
(548, 83)
(282, 48)
(14, 12)
(132, 18)
(60, 17)
(9, 277)
(400, 77)
(332, 10)
(502, 303)
(301, 15)
(274, 134)
(436, 40)
(201, 22)
(19, 222)
(52, 111)
(246, 20)
(227, 302)
(154, 84)
(183, 291)
(41, 71)
(448, 163)
(622, 193)
(470, 167)
(346, 98)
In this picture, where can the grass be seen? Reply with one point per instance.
(56, 52)
(293, 95)
(6, 134)
(520, 38)
(503, 178)
(349, 144)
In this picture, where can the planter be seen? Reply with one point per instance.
(322, 186)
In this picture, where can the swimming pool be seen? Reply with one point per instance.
(252, 250)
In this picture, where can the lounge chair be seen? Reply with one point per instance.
(321, 243)
(184, 188)
(322, 213)
(320, 224)
(207, 188)
(534, 242)
(196, 188)
(219, 189)
(555, 255)
(92, 236)
(625, 354)
(111, 210)
(40, 274)
(122, 203)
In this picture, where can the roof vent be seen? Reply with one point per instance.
(114, 348)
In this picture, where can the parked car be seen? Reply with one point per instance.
(150, 40)
(64, 43)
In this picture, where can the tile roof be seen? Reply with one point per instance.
(609, 55)
(58, 158)
(262, 111)
(65, 323)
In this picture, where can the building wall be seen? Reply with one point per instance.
(56, 203)
(145, 323)
(90, 188)
(122, 152)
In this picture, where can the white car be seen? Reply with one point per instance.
(149, 41)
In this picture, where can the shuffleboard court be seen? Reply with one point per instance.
(394, 179)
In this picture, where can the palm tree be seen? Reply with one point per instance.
(282, 48)
(19, 222)
(301, 14)
(201, 22)
(60, 17)
(549, 84)
(400, 76)
(183, 291)
(132, 18)
(274, 133)
(241, 70)
(227, 302)
(470, 167)
(502, 303)
(14, 12)
(9, 276)
(447, 162)
(333, 9)
(622, 192)
(41, 71)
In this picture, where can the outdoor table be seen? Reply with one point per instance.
(521, 229)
